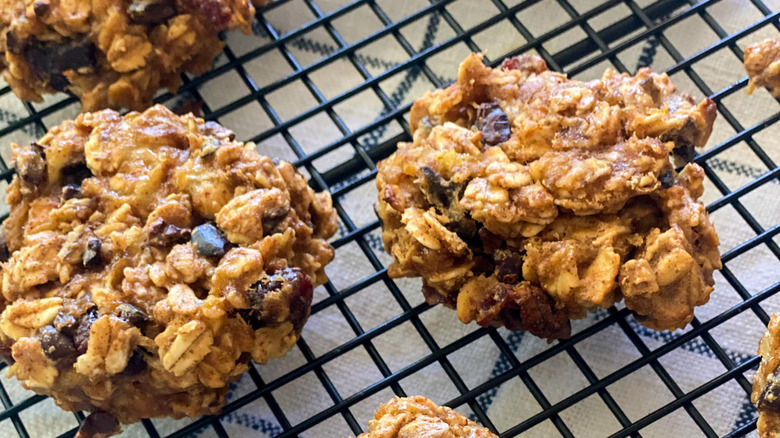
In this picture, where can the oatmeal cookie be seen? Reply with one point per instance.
(766, 381)
(111, 53)
(417, 416)
(762, 63)
(152, 256)
(527, 199)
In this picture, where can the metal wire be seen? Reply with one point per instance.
(643, 23)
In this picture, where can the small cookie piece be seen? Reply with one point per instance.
(111, 53)
(152, 256)
(762, 63)
(766, 381)
(527, 199)
(412, 417)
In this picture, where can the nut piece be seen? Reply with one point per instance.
(23, 318)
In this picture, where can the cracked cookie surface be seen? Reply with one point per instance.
(527, 199)
(413, 417)
(762, 63)
(111, 53)
(152, 256)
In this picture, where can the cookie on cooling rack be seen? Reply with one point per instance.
(766, 381)
(419, 417)
(762, 63)
(527, 199)
(151, 256)
(111, 53)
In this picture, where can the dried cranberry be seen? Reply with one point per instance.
(213, 10)
(297, 289)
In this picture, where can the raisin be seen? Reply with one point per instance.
(209, 241)
(667, 179)
(31, 165)
(92, 256)
(509, 264)
(166, 235)
(98, 424)
(5, 254)
(490, 242)
(81, 335)
(494, 124)
(136, 364)
(770, 396)
(151, 12)
(50, 59)
(57, 345)
(132, 314)
(70, 191)
(297, 295)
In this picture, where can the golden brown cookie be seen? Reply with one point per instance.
(766, 381)
(762, 63)
(527, 199)
(111, 53)
(417, 417)
(151, 257)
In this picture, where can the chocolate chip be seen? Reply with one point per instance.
(770, 396)
(136, 364)
(437, 189)
(57, 345)
(58, 82)
(132, 314)
(667, 179)
(40, 8)
(209, 241)
(686, 152)
(273, 217)
(81, 334)
(13, 44)
(494, 124)
(151, 11)
(75, 173)
(31, 165)
(166, 235)
(48, 59)
(98, 424)
(71, 191)
(92, 256)
(5, 254)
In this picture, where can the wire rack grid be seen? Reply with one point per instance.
(623, 34)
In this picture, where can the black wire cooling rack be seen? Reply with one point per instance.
(623, 34)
